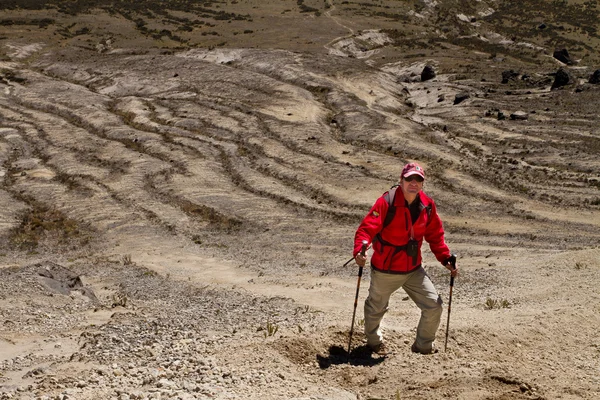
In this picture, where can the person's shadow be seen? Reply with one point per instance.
(360, 355)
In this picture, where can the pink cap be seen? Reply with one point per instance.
(412, 169)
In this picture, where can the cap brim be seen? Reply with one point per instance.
(411, 173)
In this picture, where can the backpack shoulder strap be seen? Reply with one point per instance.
(427, 209)
(389, 197)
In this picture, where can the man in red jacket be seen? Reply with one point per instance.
(396, 226)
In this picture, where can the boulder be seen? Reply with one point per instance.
(595, 78)
(562, 78)
(460, 97)
(562, 55)
(427, 73)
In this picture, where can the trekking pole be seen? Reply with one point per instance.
(348, 262)
(453, 262)
(363, 250)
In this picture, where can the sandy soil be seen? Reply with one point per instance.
(181, 188)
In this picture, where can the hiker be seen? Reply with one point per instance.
(396, 226)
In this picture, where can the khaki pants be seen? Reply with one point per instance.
(420, 289)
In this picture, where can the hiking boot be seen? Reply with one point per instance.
(379, 349)
(415, 349)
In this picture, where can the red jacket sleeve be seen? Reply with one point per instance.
(370, 225)
(434, 235)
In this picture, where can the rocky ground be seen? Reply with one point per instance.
(182, 183)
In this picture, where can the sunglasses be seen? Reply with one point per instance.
(414, 178)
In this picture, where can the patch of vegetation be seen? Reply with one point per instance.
(41, 222)
(491, 304)
(41, 23)
(215, 218)
(306, 9)
(270, 329)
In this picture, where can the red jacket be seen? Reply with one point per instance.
(386, 257)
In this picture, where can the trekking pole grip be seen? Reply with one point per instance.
(453, 264)
(363, 249)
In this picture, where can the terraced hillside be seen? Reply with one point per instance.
(182, 182)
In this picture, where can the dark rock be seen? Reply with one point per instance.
(460, 97)
(501, 116)
(427, 73)
(595, 78)
(542, 26)
(562, 55)
(509, 75)
(441, 98)
(561, 79)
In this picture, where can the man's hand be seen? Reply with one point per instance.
(360, 259)
(450, 263)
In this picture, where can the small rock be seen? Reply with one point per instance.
(562, 78)
(509, 75)
(595, 78)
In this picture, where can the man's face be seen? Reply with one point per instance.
(412, 184)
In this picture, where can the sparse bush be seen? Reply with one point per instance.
(271, 329)
(41, 222)
(126, 259)
(491, 304)
(119, 300)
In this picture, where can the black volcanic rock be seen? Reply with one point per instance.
(562, 78)
(562, 55)
(595, 78)
(427, 73)
(460, 97)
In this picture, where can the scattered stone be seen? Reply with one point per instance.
(562, 55)
(501, 116)
(595, 78)
(519, 116)
(561, 79)
(542, 26)
(509, 75)
(427, 73)
(460, 97)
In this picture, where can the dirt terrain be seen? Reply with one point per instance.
(181, 184)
